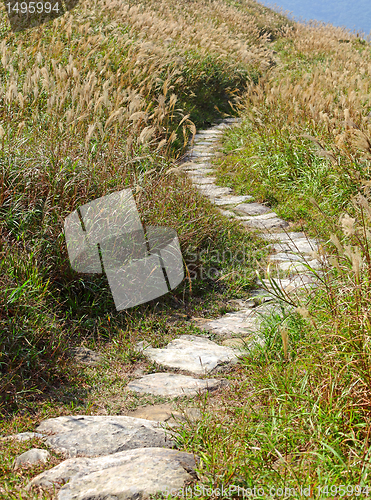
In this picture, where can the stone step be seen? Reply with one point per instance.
(283, 237)
(166, 413)
(214, 191)
(173, 385)
(231, 324)
(191, 353)
(299, 245)
(261, 222)
(253, 208)
(89, 436)
(232, 199)
(204, 181)
(129, 475)
(298, 267)
(295, 283)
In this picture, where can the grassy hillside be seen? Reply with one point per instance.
(106, 98)
(101, 99)
(304, 146)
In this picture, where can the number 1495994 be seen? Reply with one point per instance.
(33, 7)
(343, 490)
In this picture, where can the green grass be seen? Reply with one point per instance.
(285, 172)
(296, 413)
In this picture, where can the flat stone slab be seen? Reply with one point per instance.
(262, 222)
(173, 385)
(232, 119)
(203, 142)
(214, 191)
(197, 175)
(192, 165)
(283, 237)
(242, 303)
(227, 213)
(194, 354)
(232, 200)
(293, 284)
(299, 267)
(22, 436)
(206, 147)
(199, 172)
(300, 245)
(285, 257)
(245, 322)
(32, 456)
(128, 475)
(166, 413)
(253, 208)
(200, 154)
(203, 180)
(89, 436)
(266, 216)
(212, 132)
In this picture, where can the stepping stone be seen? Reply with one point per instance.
(203, 181)
(209, 186)
(202, 148)
(242, 304)
(32, 456)
(253, 208)
(214, 192)
(300, 245)
(200, 154)
(233, 119)
(298, 266)
(130, 475)
(241, 323)
(222, 126)
(285, 257)
(192, 165)
(213, 132)
(294, 284)
(200, 172)
(166, 413)
(266, 216)
(102, 435)
(260, 296)
(173, 385)
(283, 237)
(262, 222)
(22, 436)
(232, 200)
(194, 354)
(227, 213)
(204, 143)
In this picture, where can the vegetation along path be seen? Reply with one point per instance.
(116, 456)
(255, 371)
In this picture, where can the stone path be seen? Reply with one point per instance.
(130, 457)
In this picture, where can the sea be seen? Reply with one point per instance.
(354, 15)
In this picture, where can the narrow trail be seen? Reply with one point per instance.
(133, 456)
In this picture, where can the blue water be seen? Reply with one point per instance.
(354, 15)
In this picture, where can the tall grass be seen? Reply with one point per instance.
(307, 129)
(101, 99)
(303, 417)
